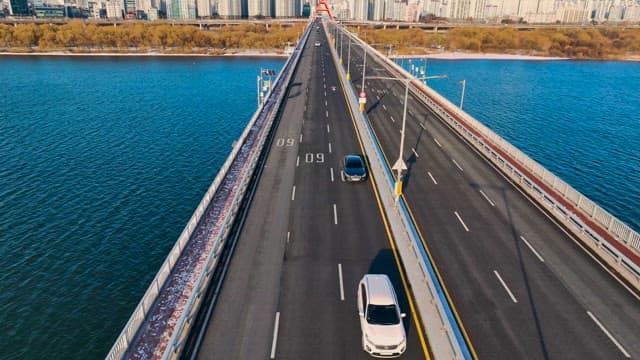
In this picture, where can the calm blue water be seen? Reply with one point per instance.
(102, 162)
(579, 119)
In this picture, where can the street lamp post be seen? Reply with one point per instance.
(363, 98)
(464, 84)
(349, 59)
(341, 42)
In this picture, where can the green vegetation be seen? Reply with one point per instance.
(577, 43)
(77, 36)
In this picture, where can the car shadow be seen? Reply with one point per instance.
(385, 263)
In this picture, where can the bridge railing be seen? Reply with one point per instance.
(175, 344)
(616, 242)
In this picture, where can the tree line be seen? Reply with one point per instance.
(580, 43)
(577, 43)
(78, 36)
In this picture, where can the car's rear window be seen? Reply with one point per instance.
(354, 162)
(382, 315)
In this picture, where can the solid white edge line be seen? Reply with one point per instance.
(604, 330)
(437, 142)
(331, 174)
(335, 214)
(275, 335)
(298, 161)
(532, 249)
(293, 193)
(461, 222)
(341, 282)
(329, 148)
(513, 298)
(487, 198)
(432, 178)
(458, 165)
(415, 153)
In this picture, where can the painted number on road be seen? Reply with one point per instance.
(313, 158)
(285, 142)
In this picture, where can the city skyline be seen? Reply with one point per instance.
(530, 11)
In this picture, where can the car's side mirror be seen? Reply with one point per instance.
(360, 313)
(403, 315)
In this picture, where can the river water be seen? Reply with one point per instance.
(103, 160)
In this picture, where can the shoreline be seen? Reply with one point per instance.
(145, 54)
(452, 55)
(447, 55)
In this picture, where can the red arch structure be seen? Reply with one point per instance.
(323, 7)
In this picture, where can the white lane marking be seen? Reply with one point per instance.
(532, 249)
(325, 86)
(341, 283)
(329, 148)
(487, 198)
(392, 119)
(288, 236)
(415, 153)
(458, 165)
(293, 193)
(432, 178)
(513, 298)
(410, 113)
(335, 214)
(275, 335)
(331, 174)
(325, 93)
(328, 129)
(325, 103)
(298, 161)
(437, 142)
(461, 222)
(300, 138)
(422, 126)
(604, 330)
(383, 106)
(326, 112)
(378, 97)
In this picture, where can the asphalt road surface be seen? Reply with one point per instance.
(523, 288)
(308, 239)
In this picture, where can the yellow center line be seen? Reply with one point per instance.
(396, 256)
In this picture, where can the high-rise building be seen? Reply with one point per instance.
(395, 10)
(18, 7)
(203, 8)
(181, 9)
(377, 9)
(285, 8)
(360, 10)
(229, 9)
(259, 7)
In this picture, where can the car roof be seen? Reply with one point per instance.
(351, 157)
(380, 289)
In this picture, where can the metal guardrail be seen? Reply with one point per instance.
(503, 154)
(268, 110)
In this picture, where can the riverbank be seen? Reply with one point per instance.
(248, 53)
(477, 56)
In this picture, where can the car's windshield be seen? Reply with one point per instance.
(382, 315)
(354, 163)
